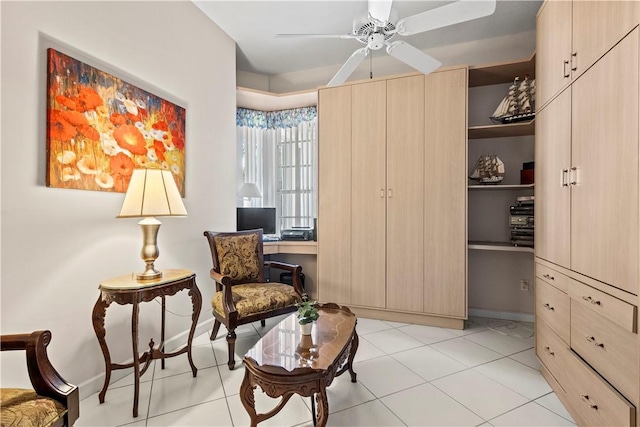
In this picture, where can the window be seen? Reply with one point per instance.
(297, 175)
(278, 152)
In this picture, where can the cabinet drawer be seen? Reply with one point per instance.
(608, 348)
(551, 351)
(552, 307)
(618, 311)
(552, 277)
(594, 402)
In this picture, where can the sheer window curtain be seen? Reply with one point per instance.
(278, 153)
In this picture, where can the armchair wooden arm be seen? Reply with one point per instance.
(45, 379)
(295, 271)
(223, 284)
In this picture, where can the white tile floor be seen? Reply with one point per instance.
(408, 375)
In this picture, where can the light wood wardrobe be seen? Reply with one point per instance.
(587, 207)
(392, 197)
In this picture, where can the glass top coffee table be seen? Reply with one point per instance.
(284, 362)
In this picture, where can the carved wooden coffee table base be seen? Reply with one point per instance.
(306, 366)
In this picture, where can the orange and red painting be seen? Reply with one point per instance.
(100, 128)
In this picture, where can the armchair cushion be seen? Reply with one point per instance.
(254, 298)
(238, 258)
(23, 407)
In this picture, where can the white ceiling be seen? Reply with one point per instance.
(253, 25)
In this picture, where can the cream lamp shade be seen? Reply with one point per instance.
(151, 193)
(249, 190)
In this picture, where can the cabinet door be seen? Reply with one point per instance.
(553, 196)
(405, 193)
(553, 48)
(598, 26)
(445, 195)
(604, 202)
(368, 190)
(334, 194)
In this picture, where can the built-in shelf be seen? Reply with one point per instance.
(503, 72)
(500, 187)
(501, 131)
(497, 246)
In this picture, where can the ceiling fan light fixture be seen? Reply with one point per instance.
(375, 41)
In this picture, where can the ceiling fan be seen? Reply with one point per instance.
(381, 24)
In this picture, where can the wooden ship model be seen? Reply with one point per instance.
(519, 103)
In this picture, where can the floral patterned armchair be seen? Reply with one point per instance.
(52, 402)
(242, 293)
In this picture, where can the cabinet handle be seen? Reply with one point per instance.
(382, 193)
(573, 176)
(574, 57)
(599, 344)
(547, 306)
(590, 339)
(565, 73)
(548, 350)
(591, 300)
(585, 397)
(565, 182)
(390, 192)
(547, 276)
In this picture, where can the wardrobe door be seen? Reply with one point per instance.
(445, 193)
(553, 194)
(405, 193)
(604, 200)
(334, 194)
(368, 194)
(553, 49)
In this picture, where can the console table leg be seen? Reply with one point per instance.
(313, 409)
(196, 302)
(164, 307)
(98, 315)
(136, 357)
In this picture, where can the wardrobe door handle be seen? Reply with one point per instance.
(573, 176)
(548, 307)
(548, 350)
(574, 65)
(382, 193)
(548, 276)
(565, 181)
(565, 73)
(390, 193)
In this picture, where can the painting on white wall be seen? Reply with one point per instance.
(100, 128)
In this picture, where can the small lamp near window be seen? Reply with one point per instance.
(249, 191)
(151, 193)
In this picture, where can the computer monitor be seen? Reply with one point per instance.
(253, 218)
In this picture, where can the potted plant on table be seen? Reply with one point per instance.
(307, 314)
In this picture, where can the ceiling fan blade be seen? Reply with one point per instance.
(317, 36)
(343, 73)
(454, 13)
(413, 57)
(379, 11)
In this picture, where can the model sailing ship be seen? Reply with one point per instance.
(489, 169)
(519, 103)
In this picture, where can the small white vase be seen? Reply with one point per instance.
(306, 328)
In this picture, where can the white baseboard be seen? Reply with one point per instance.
(94, 384)
(504, 315)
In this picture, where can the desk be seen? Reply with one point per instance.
(302, 253)
(127, 290)
(290, 247)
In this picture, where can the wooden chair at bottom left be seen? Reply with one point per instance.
(52, 402)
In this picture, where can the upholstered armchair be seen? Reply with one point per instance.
(242, 293)
(52, 402)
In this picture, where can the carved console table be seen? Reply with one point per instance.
(285, 362)
(127, 290)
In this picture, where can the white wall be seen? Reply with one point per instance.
(57, 245)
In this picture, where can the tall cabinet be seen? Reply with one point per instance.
(392, 202)
(587, 212)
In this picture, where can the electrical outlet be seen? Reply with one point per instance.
(524, 285)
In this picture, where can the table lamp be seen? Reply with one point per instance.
(151, 193)
(249, 190)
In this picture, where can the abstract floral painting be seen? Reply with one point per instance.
(100, 128)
